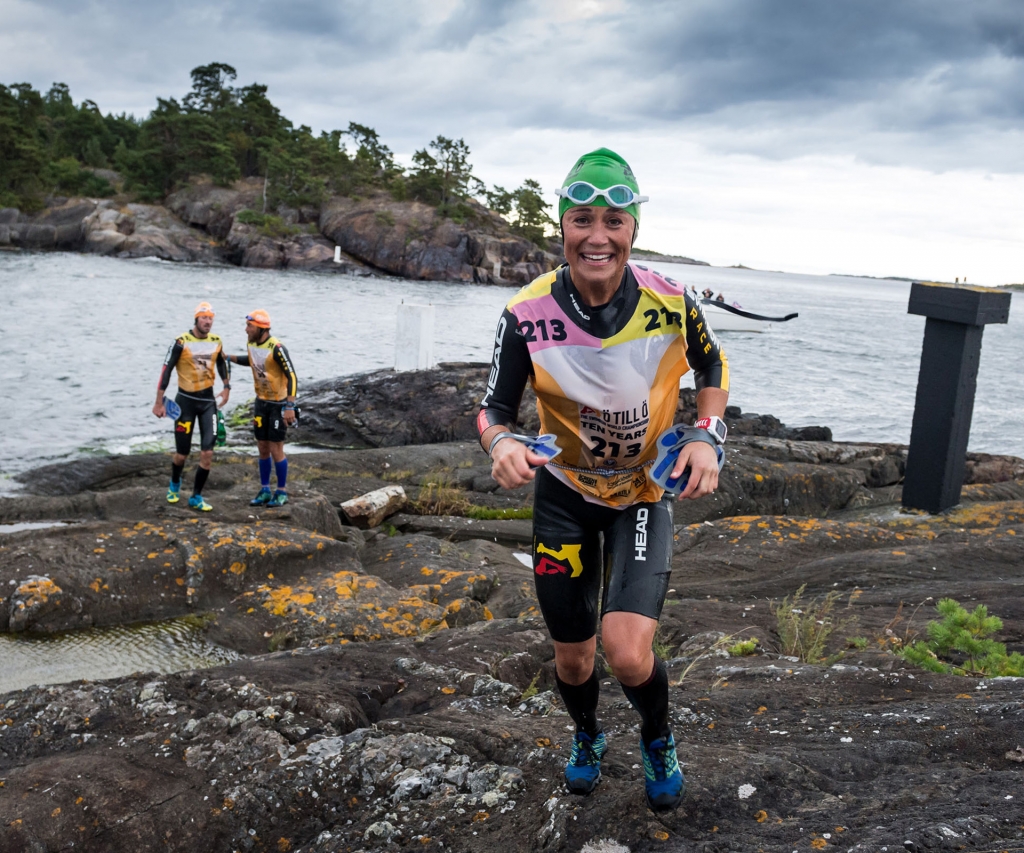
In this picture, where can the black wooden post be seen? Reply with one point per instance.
(946, 384)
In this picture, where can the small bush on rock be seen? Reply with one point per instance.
(960, 643)
(743, 648)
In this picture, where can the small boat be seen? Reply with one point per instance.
(724, 317)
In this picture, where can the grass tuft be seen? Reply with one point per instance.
(805, 626)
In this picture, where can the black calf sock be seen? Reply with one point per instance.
(581, 702)
(651, 700)
(176, 473)
(201, 475)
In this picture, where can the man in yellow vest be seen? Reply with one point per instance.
(194, 355)
(276, 387)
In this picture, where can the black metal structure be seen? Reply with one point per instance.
(946, 383)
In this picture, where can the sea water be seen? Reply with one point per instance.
(85, 337)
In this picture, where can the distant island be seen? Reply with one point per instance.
(659, 257)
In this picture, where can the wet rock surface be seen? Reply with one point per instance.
(397, 690)
(423, 741)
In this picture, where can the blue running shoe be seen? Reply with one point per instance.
(664, 780)
(172, 492)
(197, 502)
(262, 497)
(584, 767)
(279, 499)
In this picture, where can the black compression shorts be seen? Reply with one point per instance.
(194, 410)
(568, 556)
(268, 421)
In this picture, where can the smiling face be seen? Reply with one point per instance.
(597, 243)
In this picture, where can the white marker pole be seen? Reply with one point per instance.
(414, 339)
(337, 254)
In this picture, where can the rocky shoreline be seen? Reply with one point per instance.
(201, 223)
(397, 685)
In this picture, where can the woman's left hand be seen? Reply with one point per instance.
(702, 460)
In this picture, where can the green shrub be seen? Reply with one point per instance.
(250, 217)
(743, 648)
(960, 643)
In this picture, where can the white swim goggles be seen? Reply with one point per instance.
(582, 192)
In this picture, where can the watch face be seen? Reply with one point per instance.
(719, 428)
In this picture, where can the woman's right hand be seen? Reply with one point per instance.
(158, 409)
(513, 464)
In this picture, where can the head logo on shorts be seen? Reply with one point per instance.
(566, 554)
(640, 540)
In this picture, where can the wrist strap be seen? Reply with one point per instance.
(496, 439)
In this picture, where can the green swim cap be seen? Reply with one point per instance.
(603, 168)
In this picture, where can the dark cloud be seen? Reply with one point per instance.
(933, 83)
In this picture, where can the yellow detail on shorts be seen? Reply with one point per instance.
(571, 553)
(185, 425)
(259, 420)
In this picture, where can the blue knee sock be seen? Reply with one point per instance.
(282, 473)
(265, 473)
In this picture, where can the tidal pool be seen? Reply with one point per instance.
(96, 653)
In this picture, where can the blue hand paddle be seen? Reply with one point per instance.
(171, 409)
(542, 445)
(669, 443)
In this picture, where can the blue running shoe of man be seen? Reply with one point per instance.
(279, 499)
(173, 490)
(197, 502)
(262, 497)
(664, 780)
(584, 767)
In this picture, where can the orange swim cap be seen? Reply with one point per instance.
(204, 308)
(259, 317)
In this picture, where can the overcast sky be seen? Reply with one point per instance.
(874, 137)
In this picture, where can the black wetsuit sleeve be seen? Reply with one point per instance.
(241, 360)
(170, 362)
(282, 358)
(511, 368)
(224, 368)
(703, 351)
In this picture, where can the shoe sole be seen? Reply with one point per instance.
(173, 500)
(582, 791)
(662, 805)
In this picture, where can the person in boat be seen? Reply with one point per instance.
(604, 343)
(720, 297)
(708, 293)
(274, 411)
(195, 356)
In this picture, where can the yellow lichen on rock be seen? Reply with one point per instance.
(35, 591)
